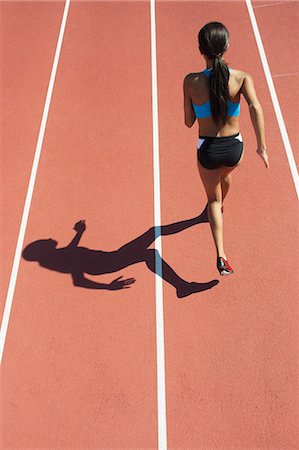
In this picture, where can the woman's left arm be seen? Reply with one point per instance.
(188, 108)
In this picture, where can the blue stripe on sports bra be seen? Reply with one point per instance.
(204, 110)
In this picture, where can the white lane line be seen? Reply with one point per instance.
(282, 127)
(18, 252)
(289, 74)
(270, 4)
(162, 428)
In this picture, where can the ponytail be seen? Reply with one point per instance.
(219, 90)
(213, 41)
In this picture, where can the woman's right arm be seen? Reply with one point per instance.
(257, 117)
(188, 108)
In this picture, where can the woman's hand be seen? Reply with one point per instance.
(120, 284)
(80, 226)
(264, 155)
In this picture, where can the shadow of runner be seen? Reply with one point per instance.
(80, 260)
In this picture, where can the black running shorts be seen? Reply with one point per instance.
(215, 152)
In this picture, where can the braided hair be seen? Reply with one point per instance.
(213, 41)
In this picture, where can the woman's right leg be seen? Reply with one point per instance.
(212, 183)
(226, 178)
(226, 182)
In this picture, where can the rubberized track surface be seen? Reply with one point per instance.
(79, 365)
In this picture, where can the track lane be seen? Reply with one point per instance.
(192, 416)
(79, 367)
(27, 53)
(232, 351)
(281, 48)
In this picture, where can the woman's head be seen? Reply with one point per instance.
(213, 39)
(36, 251)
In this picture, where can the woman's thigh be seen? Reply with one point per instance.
(225, 170)
(211, 179)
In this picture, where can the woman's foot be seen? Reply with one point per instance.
(223, 267)
(193, 287)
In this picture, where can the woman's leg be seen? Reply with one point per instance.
(212, 183)
(183, 288)
(135, 249)
(226, 178)
(226, 182)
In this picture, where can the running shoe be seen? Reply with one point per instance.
(223, 267)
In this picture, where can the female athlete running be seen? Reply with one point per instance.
(213, 97)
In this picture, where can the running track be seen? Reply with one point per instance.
(79, 368)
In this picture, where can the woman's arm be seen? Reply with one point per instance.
(188, 108)
(257, 117)
(80, 280)
(80, 227)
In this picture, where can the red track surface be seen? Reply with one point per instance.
(79, 366)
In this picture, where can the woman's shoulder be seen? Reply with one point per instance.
(193, 76)
(194, 80)
(240, 75)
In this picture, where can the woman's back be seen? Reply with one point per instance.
(198, 87)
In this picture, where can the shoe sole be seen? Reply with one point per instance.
(225, 272)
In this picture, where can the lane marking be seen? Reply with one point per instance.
(162, 427)
(282, 127)
(277, 75)
(18, 252)
(270, 4)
